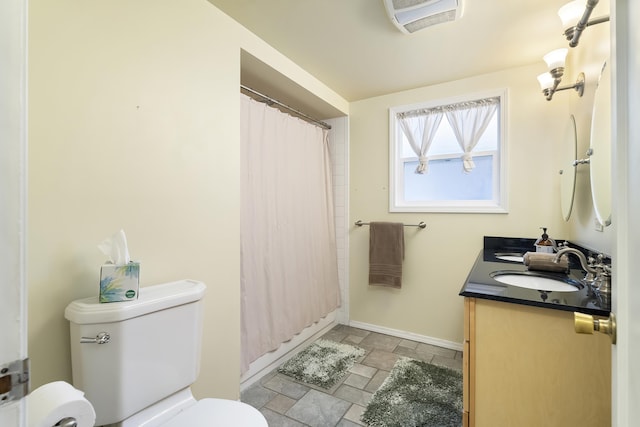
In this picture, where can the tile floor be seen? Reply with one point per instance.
(286, 402)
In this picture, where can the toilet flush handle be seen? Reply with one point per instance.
(101, 338)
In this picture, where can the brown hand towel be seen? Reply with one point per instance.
(544, 262)
(386, 252)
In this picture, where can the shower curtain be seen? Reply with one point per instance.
(289, 273)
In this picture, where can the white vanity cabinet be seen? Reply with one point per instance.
(525, 366)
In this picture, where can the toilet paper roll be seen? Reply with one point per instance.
(52, 402)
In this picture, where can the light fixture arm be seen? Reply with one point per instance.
(557, 73)
(573, 33)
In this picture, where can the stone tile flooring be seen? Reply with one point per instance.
(285, 402)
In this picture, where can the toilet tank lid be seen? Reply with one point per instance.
(150, 299)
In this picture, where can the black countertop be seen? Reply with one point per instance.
(480, 284)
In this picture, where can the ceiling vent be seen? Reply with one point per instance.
(413, 15)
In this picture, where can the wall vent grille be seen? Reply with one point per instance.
(410, 16)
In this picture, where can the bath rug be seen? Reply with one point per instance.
(416, 393)
(323, 363)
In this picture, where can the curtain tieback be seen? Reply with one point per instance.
(423, 166)
(467, 162)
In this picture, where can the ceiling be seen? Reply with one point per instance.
(353, 48)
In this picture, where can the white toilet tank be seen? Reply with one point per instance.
(153, 349)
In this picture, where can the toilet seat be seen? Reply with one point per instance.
(219, 413)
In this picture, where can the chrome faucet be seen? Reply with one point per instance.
(583, 259)
(598, 277)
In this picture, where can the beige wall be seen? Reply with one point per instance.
(439, 258)
(134, 124)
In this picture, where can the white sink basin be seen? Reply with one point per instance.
(530, 280)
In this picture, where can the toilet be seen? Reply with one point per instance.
(136, 360)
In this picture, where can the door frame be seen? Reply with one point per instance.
(625, 38)
(13, 199)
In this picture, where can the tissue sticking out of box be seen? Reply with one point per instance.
(120, 277)
(115, 247)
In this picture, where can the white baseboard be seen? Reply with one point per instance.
(268, 362)
(408, 335)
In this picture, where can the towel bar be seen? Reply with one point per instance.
(421, 224)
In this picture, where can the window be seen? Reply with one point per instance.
(449, 155)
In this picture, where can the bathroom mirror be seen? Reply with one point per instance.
(600, 159)
(568, 153)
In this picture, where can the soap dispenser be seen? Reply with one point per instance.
(545, 243)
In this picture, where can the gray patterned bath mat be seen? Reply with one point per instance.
(322, 364)
(417, 393)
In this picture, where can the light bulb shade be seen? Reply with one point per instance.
(545, 80)
(556, 58)
(571, 13)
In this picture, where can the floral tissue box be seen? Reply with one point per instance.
(119, 282)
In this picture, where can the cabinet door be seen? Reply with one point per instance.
(532, 369)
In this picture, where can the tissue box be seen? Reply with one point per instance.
(119, 282)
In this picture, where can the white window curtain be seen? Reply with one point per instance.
(469, 120)
(289, 273)
(420, 127)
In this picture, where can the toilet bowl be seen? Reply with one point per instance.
(217, 412)
(136, 360)
(181, 410)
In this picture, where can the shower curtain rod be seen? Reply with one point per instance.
(275, 101)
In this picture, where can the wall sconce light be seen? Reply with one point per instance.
(550, 81)
(577, 11)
